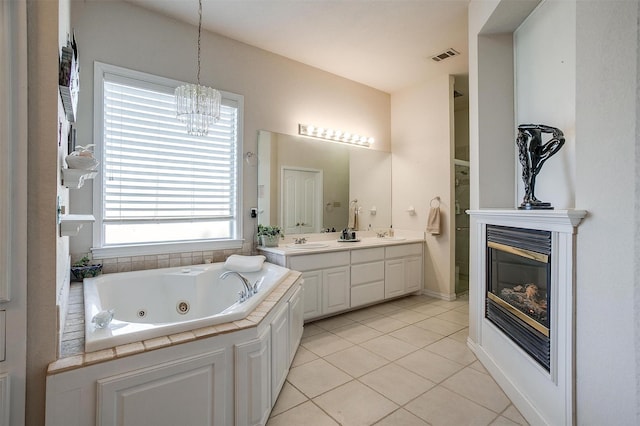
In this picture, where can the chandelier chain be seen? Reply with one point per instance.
(199, 36)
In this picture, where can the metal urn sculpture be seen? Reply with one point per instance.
(533, 154)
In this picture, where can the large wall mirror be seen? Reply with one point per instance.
(307, 185)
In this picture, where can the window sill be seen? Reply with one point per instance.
(165, 248)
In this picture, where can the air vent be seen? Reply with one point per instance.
(444, 55)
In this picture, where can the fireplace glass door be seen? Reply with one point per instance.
(519, 282)
(518, 287)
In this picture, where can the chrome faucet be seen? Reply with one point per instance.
(249, 290)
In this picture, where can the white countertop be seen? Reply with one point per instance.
(328, 242)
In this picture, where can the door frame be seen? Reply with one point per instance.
(13, 205)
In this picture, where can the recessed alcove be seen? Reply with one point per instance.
(543, 391)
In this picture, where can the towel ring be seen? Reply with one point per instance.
(437, 200)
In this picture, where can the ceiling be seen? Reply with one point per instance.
(385, 44)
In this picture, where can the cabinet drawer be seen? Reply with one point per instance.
(367, 293)
(367, 255)
(367, 272)
(403, 250)
(310, 262)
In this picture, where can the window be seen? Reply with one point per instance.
(158, 185)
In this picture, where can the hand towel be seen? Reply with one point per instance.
(353, 217)
(239, 263)
(433, 222)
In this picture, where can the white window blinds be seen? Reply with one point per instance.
(160, 183)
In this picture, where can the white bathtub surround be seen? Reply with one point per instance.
(161, 302)
(220, 374)
(543, 397)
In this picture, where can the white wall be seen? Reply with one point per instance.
(545, 68)
(47, 252)
(278, 93)
(422, 153)
(606, 146)
(606, 104)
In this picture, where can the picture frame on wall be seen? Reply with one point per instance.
(69, 79)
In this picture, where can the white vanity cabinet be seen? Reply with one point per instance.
(403, 269)
(367, 276)
(349, 277)
(326, 282)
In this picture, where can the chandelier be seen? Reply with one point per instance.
(197, 106)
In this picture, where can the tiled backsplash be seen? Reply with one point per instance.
(138, 263)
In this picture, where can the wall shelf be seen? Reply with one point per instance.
(70, 224)
(74, 178)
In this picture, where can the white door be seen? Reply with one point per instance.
(301, 201)
(13, 227)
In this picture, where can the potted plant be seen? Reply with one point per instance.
(84, 269)
(268, 235)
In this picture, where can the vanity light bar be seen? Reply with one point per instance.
(334, 135)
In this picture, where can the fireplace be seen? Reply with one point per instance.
(519, 287)
(526, 339)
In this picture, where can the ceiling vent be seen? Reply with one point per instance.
(445, 55)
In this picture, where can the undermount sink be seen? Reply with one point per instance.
(393, 238)
(305, 246)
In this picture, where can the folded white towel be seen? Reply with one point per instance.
(239, 263)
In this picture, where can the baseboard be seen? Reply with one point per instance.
(443, 296)
(521, 402)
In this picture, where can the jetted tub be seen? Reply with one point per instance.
(160, 302)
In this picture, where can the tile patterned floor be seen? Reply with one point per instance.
(401, 363)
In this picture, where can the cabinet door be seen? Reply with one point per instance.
(394, 278)
(253, 380)
(296, 320)
(336, 289)
(279, 351)
(185, 391)
(312, 294)
(414, 274)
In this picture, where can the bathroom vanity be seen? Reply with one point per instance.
(339, 276)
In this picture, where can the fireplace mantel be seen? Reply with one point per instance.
(543, 397)
(550, 220)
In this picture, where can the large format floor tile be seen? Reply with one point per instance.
(440, 406)
(401, 363)
(316, 377)
(355, 404)
(305, 414)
